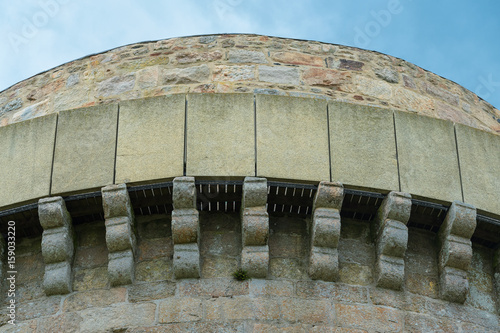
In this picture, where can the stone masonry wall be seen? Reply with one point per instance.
(288, 300)
(247, 64)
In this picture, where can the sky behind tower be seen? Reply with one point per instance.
(456, 39)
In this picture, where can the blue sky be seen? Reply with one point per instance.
(457, 39)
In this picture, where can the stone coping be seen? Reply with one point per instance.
(238, 135)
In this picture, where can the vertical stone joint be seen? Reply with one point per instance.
(325, 231)
(455, 252)
(390, 233)
(57, 245)
(120, 234)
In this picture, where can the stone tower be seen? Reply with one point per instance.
(357, 191)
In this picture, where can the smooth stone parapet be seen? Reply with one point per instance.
(150, 139)
(26, 151)
(292, 138)
(480, 166)
(220, 131)
(427, 156)
(84, 153)
(362, 133)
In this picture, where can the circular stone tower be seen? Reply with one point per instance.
(352, 191)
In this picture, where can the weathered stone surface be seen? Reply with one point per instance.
(150, 139)
(234, 73)
(22, 146)
(254, 192)
(329, 195)
(353, 139)
(174, 310)
(121, 268)
(387, 74)
(441, 93)
(192, 74)
(90, 279)
(479, 148)
(325, 77)
(243, 56)
(185, 226)
(154, 270)
(220, 130)
(84, 155)
(295, 58)
(283, 75)
(427, 169)
(255, 226)
(186, 261)
(116, 85)
(391, 237)
(190, 57)
(57, 245)
(255, 260)
(369, 317)
(292, 138)
(456, 251)
(11, 106)
(150, 291)
(184, 193)
(307, 311)
(117, 317)
(94, 299)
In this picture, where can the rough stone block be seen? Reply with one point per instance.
(326, 228)
(57, 279)
(292, 138)
(150, 139)
(329, 195)
(116, 201)
(220, 135)
(247, 56)
(185, 226)
(454, 285)
(456, 252)
(22, 146)
(254, 192)
(393, 240)
(353, 139)
(324, 264)
(390, 272)
(427, 169)
(477, 147)
(119, 234)
(283, 75)
(57, 245)
(184, 193)
(255, 260)
(460, 220)
(84, 156)
(395, 206)
(186, 261)
(255, 226)
(52, 213)
(121, 268)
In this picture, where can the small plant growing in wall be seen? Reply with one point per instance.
(241, 275)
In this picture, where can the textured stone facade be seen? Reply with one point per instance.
(245, 64)
(311, 167)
